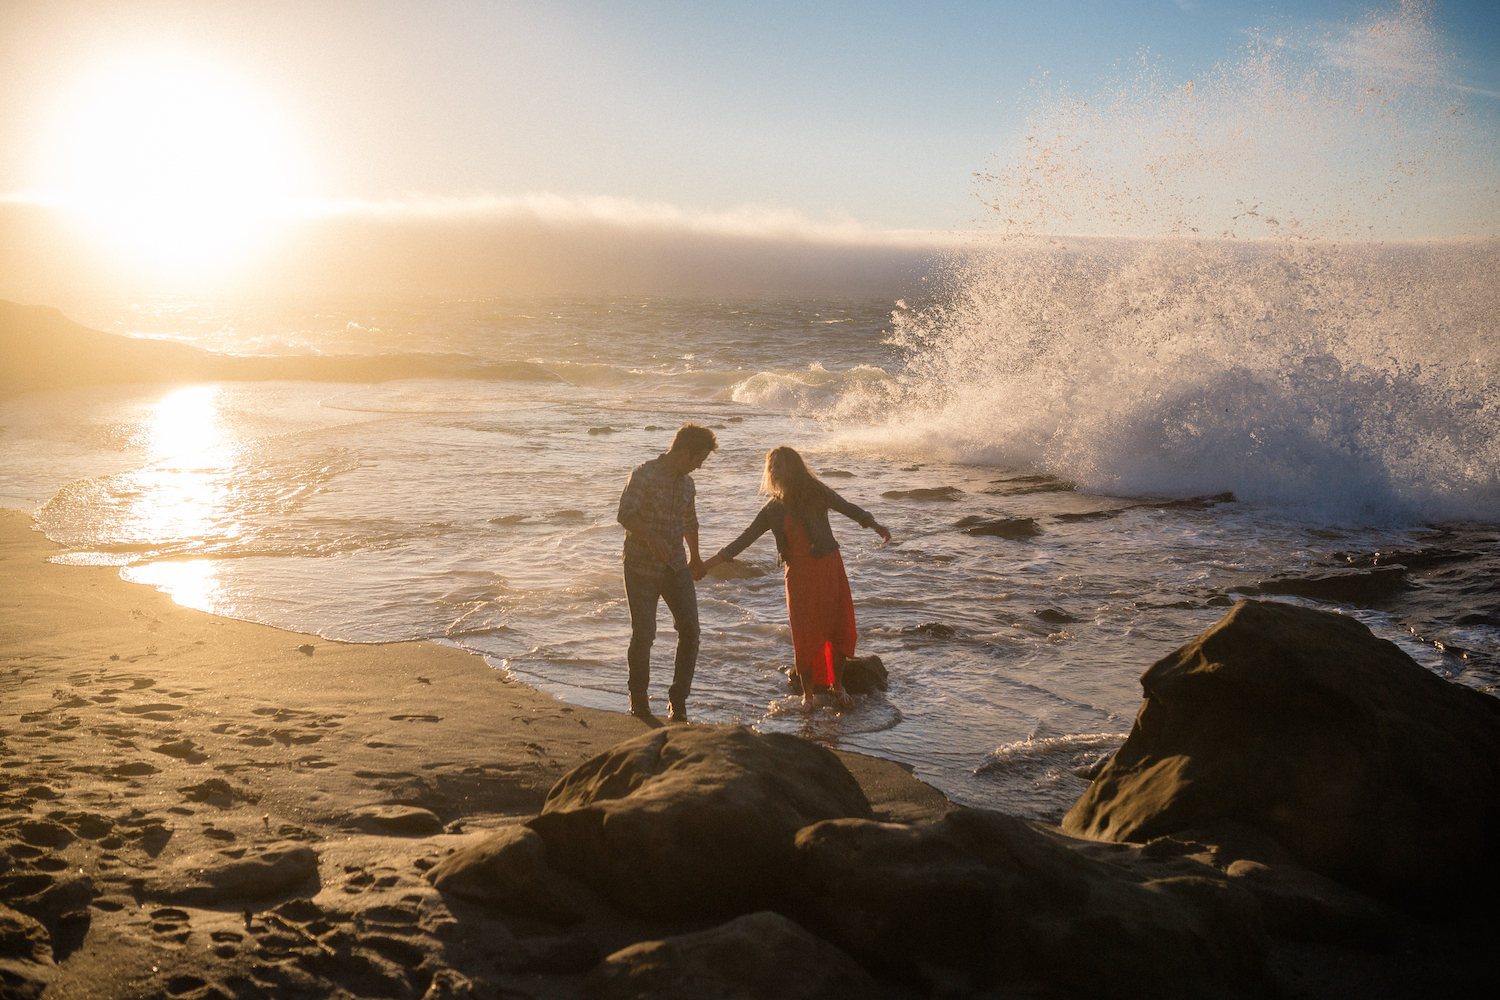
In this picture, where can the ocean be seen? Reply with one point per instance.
(1086, 449)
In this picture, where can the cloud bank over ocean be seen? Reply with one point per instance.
(485, 243)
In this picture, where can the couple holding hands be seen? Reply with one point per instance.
(658, 512)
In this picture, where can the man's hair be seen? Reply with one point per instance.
(694, 437)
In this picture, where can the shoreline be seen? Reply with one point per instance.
(141, 740)
(313, 711)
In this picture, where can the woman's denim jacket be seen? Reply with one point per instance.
(814, 519)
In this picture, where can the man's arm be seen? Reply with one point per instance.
(695, 564)
(636, 525)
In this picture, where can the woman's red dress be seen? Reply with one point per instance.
(818, 605)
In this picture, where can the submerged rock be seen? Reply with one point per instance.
(862, 675)
(694, 821)
(761, 956)
(983, 899)
(925, 493)
(1363, 586)
(1364, 766)
(1004, 527)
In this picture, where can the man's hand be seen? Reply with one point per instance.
(659, 547)
(698, 569)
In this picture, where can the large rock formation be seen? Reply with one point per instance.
(980, 899)
(694, 820)
(1366, 767)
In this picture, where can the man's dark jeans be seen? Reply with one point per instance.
(642, 590)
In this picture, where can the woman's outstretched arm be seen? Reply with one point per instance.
(758, 527)
(857, 514)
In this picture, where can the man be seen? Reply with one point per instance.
(658, 513)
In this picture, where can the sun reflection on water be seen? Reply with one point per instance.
(184, 494)
(183, 498)
(185, 422)
(193, 583)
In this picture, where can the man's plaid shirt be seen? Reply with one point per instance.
(665, 502)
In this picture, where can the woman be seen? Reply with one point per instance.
(818, 603)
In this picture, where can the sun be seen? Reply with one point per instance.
(172, 161)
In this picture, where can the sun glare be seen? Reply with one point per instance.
(174, 162)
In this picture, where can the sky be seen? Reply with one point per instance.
(147, 141)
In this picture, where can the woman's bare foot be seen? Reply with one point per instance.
(808, 701)
(842, 696)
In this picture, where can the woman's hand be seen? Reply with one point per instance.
(882, 531)
(717, 559)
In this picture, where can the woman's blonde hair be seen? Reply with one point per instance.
(787, 477)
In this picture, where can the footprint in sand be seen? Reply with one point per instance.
(416, 718)
(225, 943)
(259, 737)
(183, 750)
(160, 711)
(171, 923)
(218, 793)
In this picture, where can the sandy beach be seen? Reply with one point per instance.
(139, 738)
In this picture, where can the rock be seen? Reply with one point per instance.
(26, 965)
(862, 675)
(1363, 587)
(761, 956)
(1364, 766)
(1296, 904)
(937, 630)
(982, 898)
(262, 872)
(403, 821)
(865, 675)
(1301, 905)
(509, 872)
(1005, 527)
(448, 985)
(928, 493)
(694, 821)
